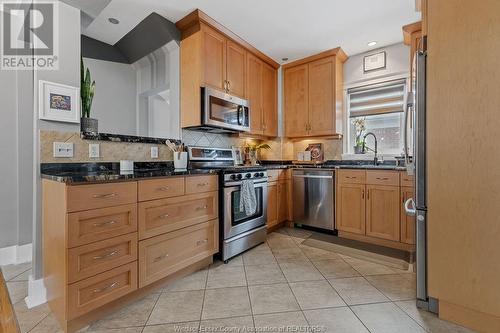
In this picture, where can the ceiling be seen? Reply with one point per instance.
(279, 28)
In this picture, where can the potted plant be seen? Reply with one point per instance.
(87, 89)
(253, 149)
(360, 125)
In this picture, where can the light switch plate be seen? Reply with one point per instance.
(63, 149)
(154, 152)
(94, 150)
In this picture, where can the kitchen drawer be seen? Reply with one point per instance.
(198, 184)
(161, 188)
(273, 175)
(95, 258)
(161, 216)
(94, 225)
(348, 176)
(86, 197)
(407, 180)
(91, 293)
(382, 177)
(166, 254)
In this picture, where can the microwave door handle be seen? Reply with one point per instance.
(240, 115)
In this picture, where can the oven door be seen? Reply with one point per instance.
(225, 111)
(236, 222)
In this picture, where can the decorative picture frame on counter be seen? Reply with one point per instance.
(316, 150)
(375, 61)
(58, 102)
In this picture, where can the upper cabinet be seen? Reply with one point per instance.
(211, 55)
(313, 95)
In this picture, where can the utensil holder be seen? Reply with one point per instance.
(180, 160)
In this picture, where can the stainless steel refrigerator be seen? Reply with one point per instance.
(416, 165)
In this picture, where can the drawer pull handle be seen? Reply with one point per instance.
(163, 188)
(382, 178)
(164, 216)
(109, 286)
(102, 224)
(107, 255)
(202, 184)
(202, 207)
(200, 242)
(161, 257)
(105, 196)
(350, 177)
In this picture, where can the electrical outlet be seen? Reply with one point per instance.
(154, 152)
(94, 150)
(63, 149)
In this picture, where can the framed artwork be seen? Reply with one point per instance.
(58, 102)
(316, 150)
(374, 62)
(237, 155)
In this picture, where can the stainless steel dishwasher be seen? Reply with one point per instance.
(314, 198)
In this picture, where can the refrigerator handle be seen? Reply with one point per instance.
(410, 209)
(408, 104)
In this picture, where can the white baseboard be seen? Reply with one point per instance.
(16, 254)
(37, 294)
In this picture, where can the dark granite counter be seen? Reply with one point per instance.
(335, 164)
(90, 173)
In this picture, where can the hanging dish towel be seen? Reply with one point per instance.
(248, 200)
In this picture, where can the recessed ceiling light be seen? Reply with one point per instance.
(112, 20)
(284, 59)
(373, 43)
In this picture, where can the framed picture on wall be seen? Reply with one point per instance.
(58, 102)
(374, 62)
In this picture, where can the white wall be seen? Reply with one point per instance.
(115, 96)
(398, 63)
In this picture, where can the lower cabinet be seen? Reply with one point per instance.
(369, 207)
(278, 196)
(407, 222)
(351, 208)
(282, 200)
(382, 212)
(272, 204)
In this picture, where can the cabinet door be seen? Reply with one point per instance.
(407, 222)
(254, 93)
(296, 87)
(382, 212)
(282, 201)
(235, 69)
(272, 204)
(214, 57)
(269, 100)
(322, 97)
(351, 208)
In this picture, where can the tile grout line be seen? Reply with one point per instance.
(406, 313)
(248, 292)
(204, 294)
(152, 309)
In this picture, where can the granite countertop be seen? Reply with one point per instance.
(334, 164)
(90, 173)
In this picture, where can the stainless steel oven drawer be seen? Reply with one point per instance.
(242, 242)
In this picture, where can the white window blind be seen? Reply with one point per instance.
(381, 98)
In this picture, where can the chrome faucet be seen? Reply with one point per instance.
(375, 159)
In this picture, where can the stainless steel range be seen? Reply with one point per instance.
(238, 231)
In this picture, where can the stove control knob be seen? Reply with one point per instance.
(233, 177)
(261, 174)
(248, 175)
(257, 175)
(239, 176)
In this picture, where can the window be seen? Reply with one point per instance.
(379, 107)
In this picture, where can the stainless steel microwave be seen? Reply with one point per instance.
(223, 112)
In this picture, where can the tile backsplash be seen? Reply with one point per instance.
(281, 149)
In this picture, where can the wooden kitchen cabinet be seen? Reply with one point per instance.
(262, 94)
(313, 95)
(282, 201)
(211, 55)
(272, 204)
(407, 222)
(351, 208)
(296, 101)
(382, 212)
(412, 36)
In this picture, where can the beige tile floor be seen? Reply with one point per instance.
(279, 286)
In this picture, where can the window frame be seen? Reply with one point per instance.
(347, 152)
